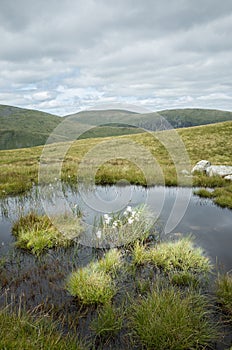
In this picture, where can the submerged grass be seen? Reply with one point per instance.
(117, 303)
(169, 319)
(37, 233)
(108, 322)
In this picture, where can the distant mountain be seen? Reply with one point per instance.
(180, 118)
(176, 118)
(21, 127)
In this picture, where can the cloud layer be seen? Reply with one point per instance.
(64, 56)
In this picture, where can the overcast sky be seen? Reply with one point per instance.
(64, 56)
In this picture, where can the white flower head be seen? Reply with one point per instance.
(130, 221)
(129, 209)
(115, 224)
(98, 234)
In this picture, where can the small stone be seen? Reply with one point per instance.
(185, 172)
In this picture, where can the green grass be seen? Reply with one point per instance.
(202, 192)
(19, 168)
(23, 332)
(37, 233)
(91, 286)
(110, 263)
(170, 256)
(169, 319)
(224, 293)
(108, 322)
(221, 196)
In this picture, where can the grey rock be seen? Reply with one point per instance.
(201, 166)
(219, 170)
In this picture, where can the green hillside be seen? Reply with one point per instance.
(176, 118)
(20, 128)
(180, 118)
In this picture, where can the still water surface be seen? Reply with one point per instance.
(185, 213)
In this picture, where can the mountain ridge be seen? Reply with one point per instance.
(21, 127)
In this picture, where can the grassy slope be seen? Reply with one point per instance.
(194, 116)
(19, 168)
(27, 128)
(21, 127)
(176, 117)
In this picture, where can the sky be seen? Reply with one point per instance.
(66, 56)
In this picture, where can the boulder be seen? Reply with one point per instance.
(228, 177)
(219, 170)
(201, 166)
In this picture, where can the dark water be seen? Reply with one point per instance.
(178, 209)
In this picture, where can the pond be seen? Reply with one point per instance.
(178, 209)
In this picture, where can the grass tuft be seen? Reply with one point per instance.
(36, 233)
(110, 263)
(224, 293)
(179, 255)
(91, 286)
(168, 319)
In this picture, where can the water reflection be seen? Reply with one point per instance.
(210, 224)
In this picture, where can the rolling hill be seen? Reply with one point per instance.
(20, 128)
(165, 119)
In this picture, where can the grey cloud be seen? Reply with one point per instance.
(165, 53)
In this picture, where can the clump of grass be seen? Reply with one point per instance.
(202, 192)
(24, 332)
(36, 233)
(140, 254)
(178, 255)
(168, 319)
(91, 286)
(123, 228)
(108, 322)
(224, 293)
(110, 263)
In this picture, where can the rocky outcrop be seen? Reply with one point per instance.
(204, 166)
